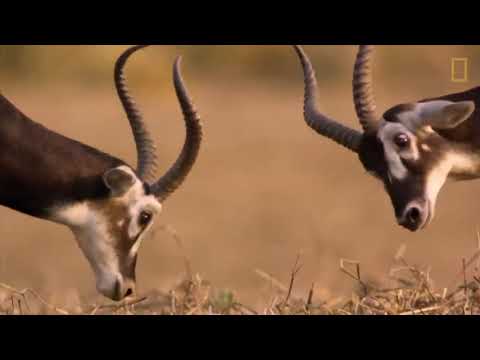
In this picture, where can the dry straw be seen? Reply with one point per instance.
(413, 293)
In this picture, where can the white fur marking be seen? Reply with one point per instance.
(137, 202)
(73, 215)
(426, 148)
(91, 232)
(393, 155)
(435, 181)
(465, 164)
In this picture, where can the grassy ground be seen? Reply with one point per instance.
(411, 291)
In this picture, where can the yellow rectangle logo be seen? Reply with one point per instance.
(459, 70)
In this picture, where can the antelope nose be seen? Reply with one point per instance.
(124, 289)
(414, 217)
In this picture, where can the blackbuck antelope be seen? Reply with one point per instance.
(108, 205)
(413, 148)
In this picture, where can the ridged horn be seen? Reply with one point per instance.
(322, 124)
(146, 150)
(177, 174)
(363, 95)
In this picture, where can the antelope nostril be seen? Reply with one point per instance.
(129, 292)
(414, 215)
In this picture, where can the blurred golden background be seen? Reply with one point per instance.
(265, 187)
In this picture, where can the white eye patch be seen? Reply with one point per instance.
(136, 201)
(393, 154)
(145, 203)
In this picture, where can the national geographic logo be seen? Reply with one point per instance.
(460, 70)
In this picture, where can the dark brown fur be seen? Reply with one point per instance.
(40, 169)
(469, 131)
(392, 114)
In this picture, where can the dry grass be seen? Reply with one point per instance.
(412, 293)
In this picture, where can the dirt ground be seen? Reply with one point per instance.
(265, 188)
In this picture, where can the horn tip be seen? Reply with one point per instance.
(299, 49)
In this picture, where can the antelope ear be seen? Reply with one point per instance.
(447, 115)
(119, 181)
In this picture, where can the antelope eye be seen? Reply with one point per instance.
(402, 141)
(145, 219)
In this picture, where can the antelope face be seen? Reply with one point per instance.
(407, 148)
(110, 231)
(413, 160)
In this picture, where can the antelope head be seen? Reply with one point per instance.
(406, 148)
(110, 229)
